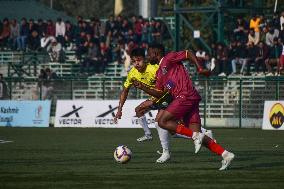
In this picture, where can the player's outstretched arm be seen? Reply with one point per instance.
(122, 99)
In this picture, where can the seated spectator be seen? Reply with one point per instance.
(45, 42)
(5, 34)
(91, 64)
(251, 56)
(41, 27)
(222, 60)
(241, 58)
(273, 58)
(81, 45)
(14, 34)
(104, 57)
(271, 35)
(261, 56)
(252, 38)
(34, 41)
(56, 52)
(24, 33)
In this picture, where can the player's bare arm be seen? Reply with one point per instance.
(192, 58)
(149, 90)
(122, 99)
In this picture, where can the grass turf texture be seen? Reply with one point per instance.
(83, 158)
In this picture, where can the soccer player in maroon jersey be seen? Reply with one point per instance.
(172, 77)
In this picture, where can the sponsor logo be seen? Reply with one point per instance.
(164, 70)
(106, 118)
(276, 115)
(170, 84)
(38, 115)
(68, 118)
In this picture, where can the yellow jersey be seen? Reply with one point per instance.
(148, 77)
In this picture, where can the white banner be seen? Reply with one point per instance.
(273, 115)
(98, 113)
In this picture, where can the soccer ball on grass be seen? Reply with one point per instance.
(122, 154)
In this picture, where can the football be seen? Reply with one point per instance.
(122, 154)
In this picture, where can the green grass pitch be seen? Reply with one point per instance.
(68, 158)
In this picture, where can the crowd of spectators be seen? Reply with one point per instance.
(255, 48)
(95, 42)
(255, 45)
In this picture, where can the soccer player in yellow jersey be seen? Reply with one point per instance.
(144, 73)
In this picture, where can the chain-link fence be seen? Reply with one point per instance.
(230, 102)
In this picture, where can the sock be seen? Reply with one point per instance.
(143, 122)
(176, 135)
(214, 147)
(181, 129)
(203, 130)
(164, 137)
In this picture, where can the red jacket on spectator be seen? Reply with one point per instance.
(50, 29)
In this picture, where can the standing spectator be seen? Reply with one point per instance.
(60, 31)
(24, 33)
(282, 21)
(3, 88)
(273, 58)
(47, 85)
(14, 34)
(255, 24)
(5, 34)
(69, 36)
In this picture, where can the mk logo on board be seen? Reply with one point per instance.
(276, 115)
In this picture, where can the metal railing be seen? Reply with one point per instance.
(229, 102)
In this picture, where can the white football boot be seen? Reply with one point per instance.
(197, 140)
(227, 159)
(164, 157)
(145, 138)
(209, 133)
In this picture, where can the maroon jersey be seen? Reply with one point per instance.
(173, 76)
